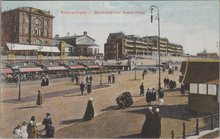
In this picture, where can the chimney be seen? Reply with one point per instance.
(85, 33)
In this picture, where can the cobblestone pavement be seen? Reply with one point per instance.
(69, 106)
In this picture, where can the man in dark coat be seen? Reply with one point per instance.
(82, 86)
(156, 125)
(77, 79)
(89, 113)
(109, 78)
(113, 78)
(146, 131)
(154, 96)
(148, 97)
(142, 89)
(89, 88)
(90, 78)
(161, 96)
(87, 79)
(47, 122)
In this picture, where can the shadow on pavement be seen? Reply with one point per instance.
(132, 136)
(170, 111)
(134, 79)
(115, 107)
(27, 107)
(71, 121)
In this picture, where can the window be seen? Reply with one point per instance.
(26, 18)
(37, 21)
(193, 88)
(202, 89)
(46, 22)
(26, 30)
(36, 31)
(45, 32)
(212, 89)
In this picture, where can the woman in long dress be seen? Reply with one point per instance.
(89, 114)
(39, 99)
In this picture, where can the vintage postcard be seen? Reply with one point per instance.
(110, 69)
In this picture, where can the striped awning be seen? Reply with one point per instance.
(77, 67)
(93, 66)
(6, 71)
(31, 69)
(57, 68)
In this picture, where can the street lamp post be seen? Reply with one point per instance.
(19, 86)
(158, 39)
(101, 72)
(135, 73)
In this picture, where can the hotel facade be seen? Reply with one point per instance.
(119, 45)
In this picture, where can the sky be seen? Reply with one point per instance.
(193, 24)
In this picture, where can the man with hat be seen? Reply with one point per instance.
(47, 122)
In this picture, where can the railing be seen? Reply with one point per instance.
(208, 122)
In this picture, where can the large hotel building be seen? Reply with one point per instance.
(24, 29)
(120, 45)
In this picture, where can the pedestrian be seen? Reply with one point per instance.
(143, 75)
(109, 78)
(89, 113)
(47, 81)
(113, 78)
(90, 78)
(156, 126)
(154, 96)
(146, 131)
(17, 131)
(165, 82)
(32, 128)
(43, 81)
(87, 79)
(24, 130)
(47, 122)
(82, 86)
(77, 79)
(89, 87)
(39, 98)
(148, 97)
(161, 96)
(142, 89)
(119, 72)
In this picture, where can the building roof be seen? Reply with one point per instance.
(34, 10)
(40, 48)
(200, 71)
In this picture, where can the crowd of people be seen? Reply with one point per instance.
(151, 95)
(169, 83)
(111, 78)
(30, 129)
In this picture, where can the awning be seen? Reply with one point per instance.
(76, 67)
(51, 49)
(57, 68)
(32, 69)
(93, 66)
(6, 71)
